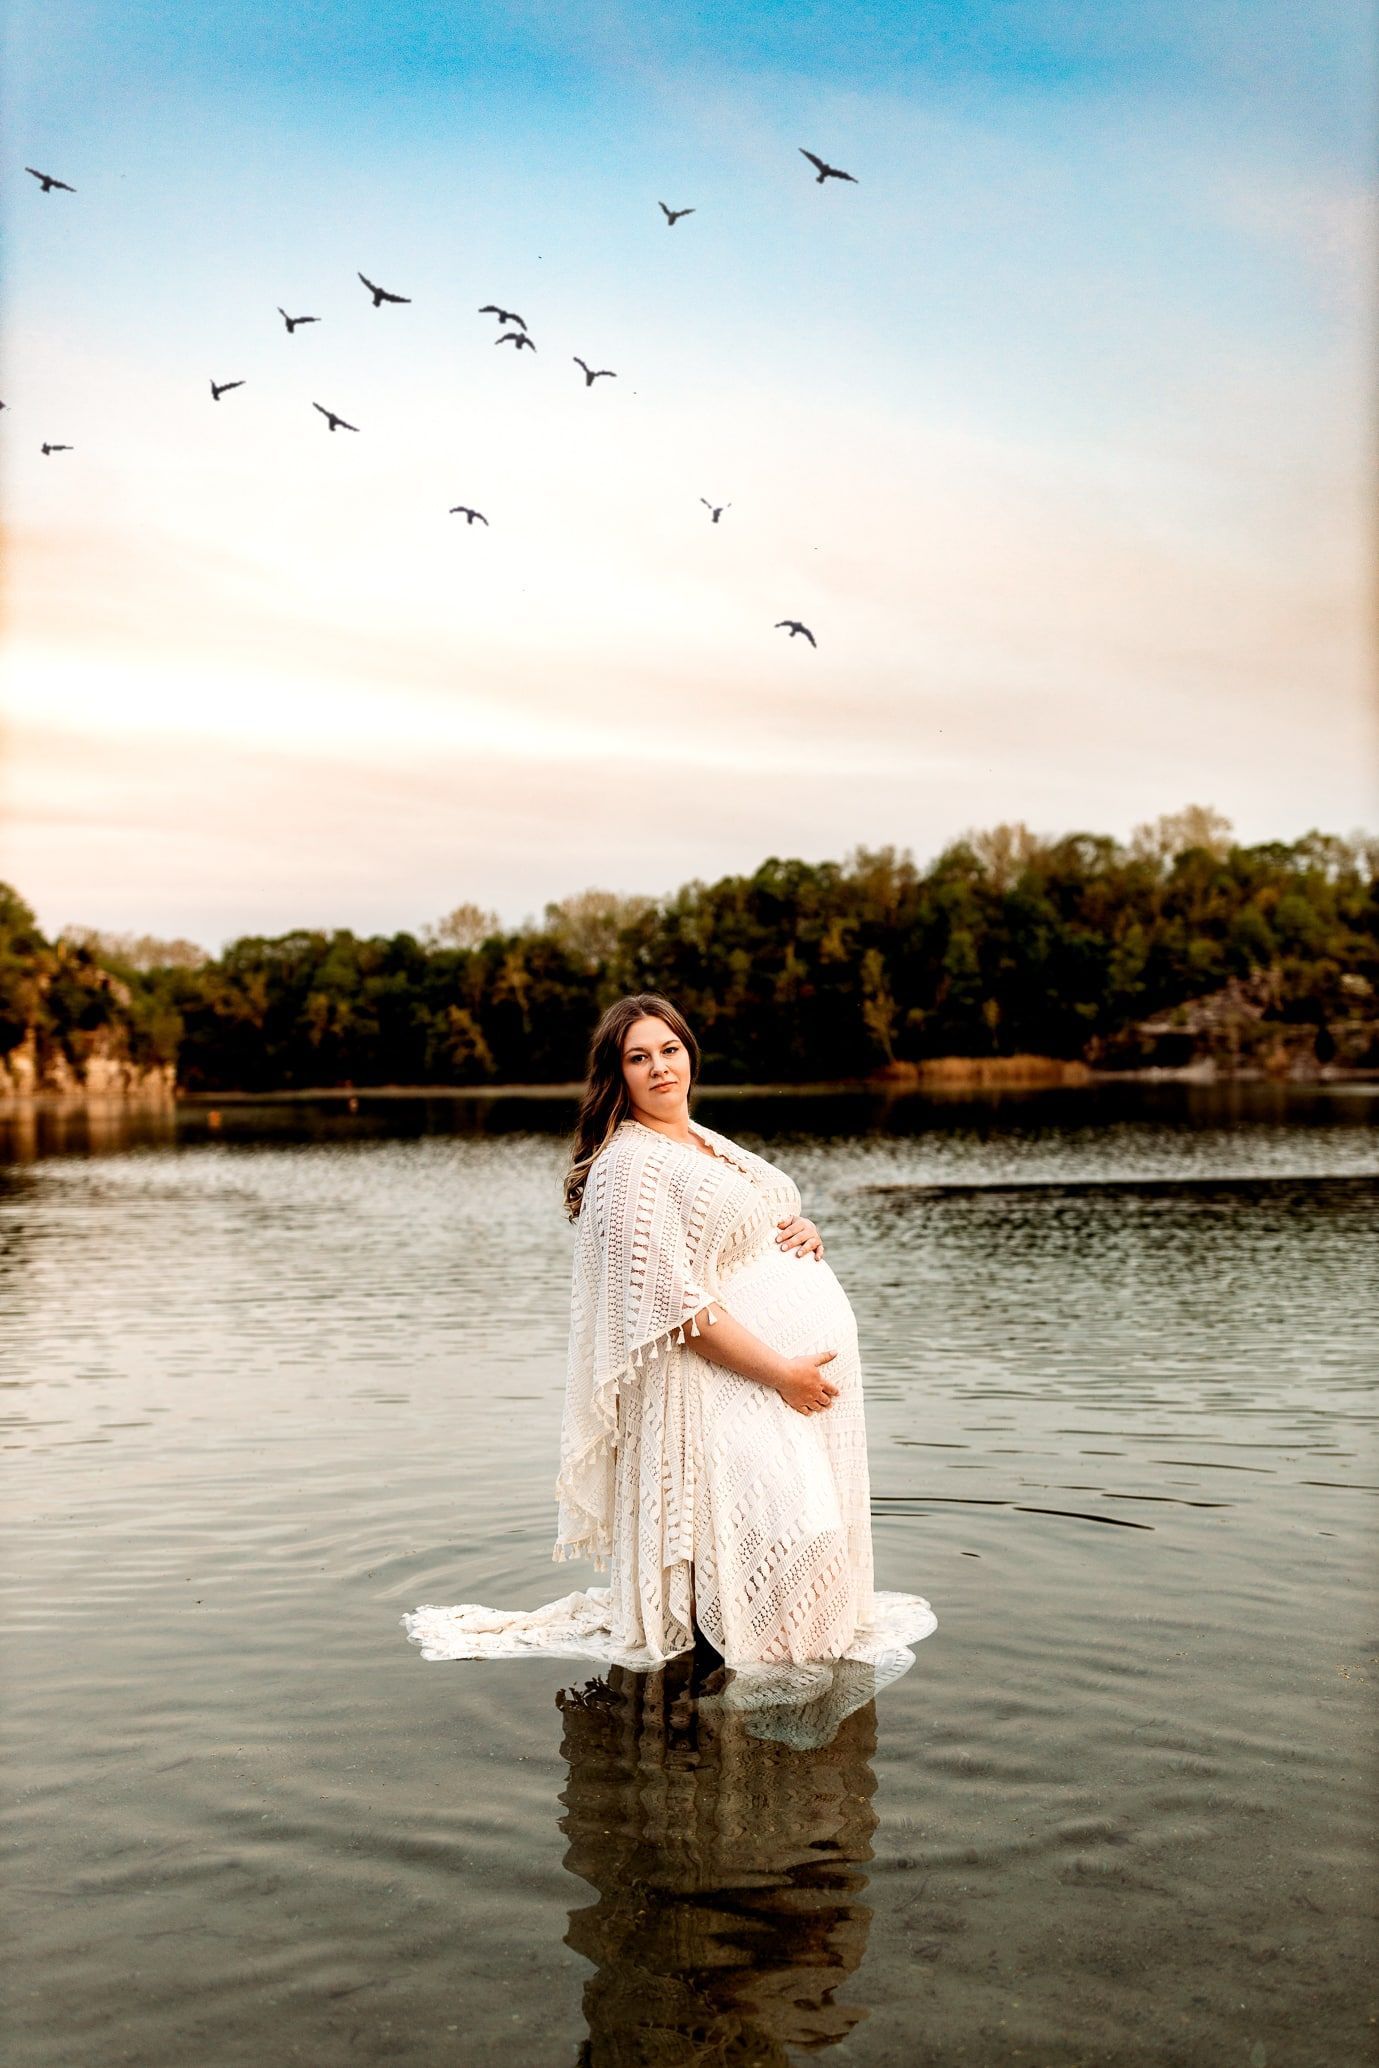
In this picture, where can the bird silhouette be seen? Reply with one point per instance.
(57, 448)
(673, 215)
(515, 337)
(381, 294)
(826, 172)
(333, 420)
(792, 626)
(503, 315)
(48, 181)
(595, 373)
(714, 512)
(223, 389)
(293, 321)
(463, 510)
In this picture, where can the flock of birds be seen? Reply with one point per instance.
(512, 330)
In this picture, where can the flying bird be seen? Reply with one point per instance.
(515, 337)
(714, 512)
(223, 389)
(57, 448)
(49, 182)
(463, 510)
(592, 373)
(826, 172)
(381, 294)
(293, 321)
(792, 626)
(673, 215)
(335, 422)
(503, 315)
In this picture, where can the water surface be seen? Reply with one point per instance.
(271, 1377)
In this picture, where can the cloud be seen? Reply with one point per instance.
(1053, 429)
(184, 835)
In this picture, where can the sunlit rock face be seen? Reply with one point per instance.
(32, 1069)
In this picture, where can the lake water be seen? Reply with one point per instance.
(272, 1377)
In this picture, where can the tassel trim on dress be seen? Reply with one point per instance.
(650, 1351)
(584, 1548)
(594, 1543)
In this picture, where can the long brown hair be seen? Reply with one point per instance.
(606, 1100)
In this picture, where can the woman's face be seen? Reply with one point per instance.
(656, 1066)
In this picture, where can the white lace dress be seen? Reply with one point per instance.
(712, 1501)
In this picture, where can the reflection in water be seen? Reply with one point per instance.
(728, 1871)
(80, 1127)
(279, 1362)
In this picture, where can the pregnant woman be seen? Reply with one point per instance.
(713, 1446)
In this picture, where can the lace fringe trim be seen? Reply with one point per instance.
(595, 1542)
(674, 1334)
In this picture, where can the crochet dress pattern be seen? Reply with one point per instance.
(711, 1501)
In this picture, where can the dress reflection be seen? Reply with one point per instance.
(728, 1866)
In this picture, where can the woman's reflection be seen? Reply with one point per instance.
(728, 1866)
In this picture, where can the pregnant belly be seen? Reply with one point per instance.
(794, 1303)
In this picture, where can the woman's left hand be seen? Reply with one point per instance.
(801, 1236)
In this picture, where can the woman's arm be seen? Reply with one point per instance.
(800, 1381)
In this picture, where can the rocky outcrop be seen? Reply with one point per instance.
(73, 1028)
(101, 1072)
(1240, 1030)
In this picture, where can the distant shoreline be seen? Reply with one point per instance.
(952, 1077)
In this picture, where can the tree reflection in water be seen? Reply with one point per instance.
(728, 1866)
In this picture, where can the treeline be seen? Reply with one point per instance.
(73, 1019)
(1008, 943)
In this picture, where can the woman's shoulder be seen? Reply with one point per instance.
(734, 1151)
(638, 1164)
(632, 1145)
(644, 1152)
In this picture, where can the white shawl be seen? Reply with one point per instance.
(651, 1222)
(661, 1228)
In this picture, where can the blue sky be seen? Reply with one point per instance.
(1055, 427)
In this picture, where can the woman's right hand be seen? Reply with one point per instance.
(803, 1386)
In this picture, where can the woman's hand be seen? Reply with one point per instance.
(803, 1385)
(800, 1235)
